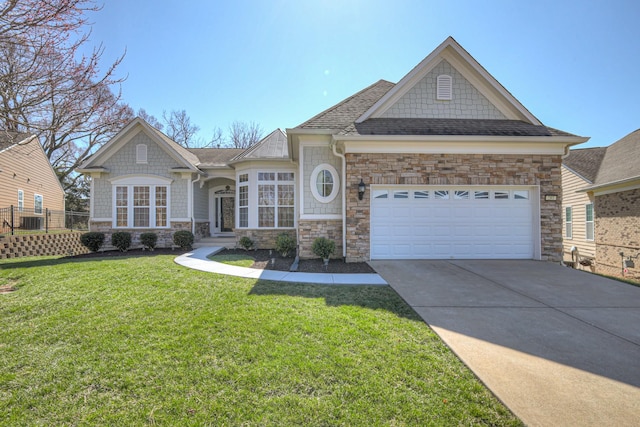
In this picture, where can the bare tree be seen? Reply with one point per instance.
(180, 128)
(152, 120)
(244, 134)
(48, 87)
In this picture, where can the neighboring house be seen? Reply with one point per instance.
(444, 164)
(29, 183)
(601, 205)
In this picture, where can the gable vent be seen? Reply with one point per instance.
(141, 153)
(445, 88)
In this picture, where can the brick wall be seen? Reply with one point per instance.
(262, 239)
(452, 169)
(41, 244)
(165, 235)
(617, 229)
(308, 231)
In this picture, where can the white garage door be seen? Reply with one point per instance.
(453, 222)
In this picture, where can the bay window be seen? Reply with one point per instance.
(276, 200)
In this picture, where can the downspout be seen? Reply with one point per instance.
(191, 213)
(344, 198)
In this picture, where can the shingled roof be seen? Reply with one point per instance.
(212, 157)
(272, 147)
(585, 162)
(621, 161)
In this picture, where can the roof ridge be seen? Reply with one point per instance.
(344, 101)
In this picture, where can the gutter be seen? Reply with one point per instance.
(344, 198)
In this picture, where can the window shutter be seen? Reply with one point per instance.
(445, 87)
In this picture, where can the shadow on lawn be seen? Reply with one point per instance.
(371, 297)
(27, 262)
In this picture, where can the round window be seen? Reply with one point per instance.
(324, 183)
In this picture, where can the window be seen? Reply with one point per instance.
(589, 221)
(445, 88)
(521, 195)
(275, 200)
(421, 194)
(380, 194)
(243, 201)
(20, 200)
(441, 194)
(400, 194)
(324, 183)
(141, 206)
(141, 153)
(480, 195)
(461, 195)
(501, 195)
(568, 222)
(37, 204)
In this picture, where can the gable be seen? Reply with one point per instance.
(421, 100)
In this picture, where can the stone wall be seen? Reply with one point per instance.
(617, 229)
(41, 244)
(309, 230)
(453, 169)
(262, 238)
(165, 235)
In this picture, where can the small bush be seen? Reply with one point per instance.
(285, 244)
(149, 240)
(121, 240)
(92, 240)
(323, 247)
(183, 238)
(246, 243)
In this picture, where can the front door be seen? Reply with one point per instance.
(223, 212)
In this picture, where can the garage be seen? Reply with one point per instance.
(454, 222)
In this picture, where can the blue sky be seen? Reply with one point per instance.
(573, 64)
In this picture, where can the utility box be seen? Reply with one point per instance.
(628, 263)
(31, 223)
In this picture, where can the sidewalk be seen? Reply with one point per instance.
(198, 260)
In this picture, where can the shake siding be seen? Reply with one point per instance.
(570, 197)
(200, 199)
(26, 167)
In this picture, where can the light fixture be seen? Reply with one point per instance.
(361, 188)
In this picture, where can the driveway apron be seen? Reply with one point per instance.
(559, 347)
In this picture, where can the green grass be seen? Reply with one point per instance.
(143, 341)
(233, 259)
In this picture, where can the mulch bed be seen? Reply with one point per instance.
(262, 260)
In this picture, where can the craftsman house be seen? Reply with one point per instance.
(601, 207)
(29, 184)
(446, 163)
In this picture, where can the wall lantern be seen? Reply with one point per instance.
(361, 188)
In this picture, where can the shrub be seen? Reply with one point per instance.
(149, 240)
(121, 240)
(285, 244)
(246, 243)
(183, 238)
(323, 247)
(92, 240)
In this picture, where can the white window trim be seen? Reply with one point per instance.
(276, 182)
(35, 197)
(20, 200)
(240, 207)
(314, 182)
(567, 223)
(131, 181)
(592, 222)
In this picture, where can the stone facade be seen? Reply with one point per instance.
(452, 169)
(165, 235)
(617, 229)
(262, 238)
(309, 230)
(466, 103)
(41, 244)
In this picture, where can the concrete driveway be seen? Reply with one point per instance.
(559, 347)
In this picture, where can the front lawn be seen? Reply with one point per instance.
(143, 341)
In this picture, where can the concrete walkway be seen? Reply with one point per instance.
(198, 260)
(558, 346)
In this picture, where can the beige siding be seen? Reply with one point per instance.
(26, 167)
(571, 183)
